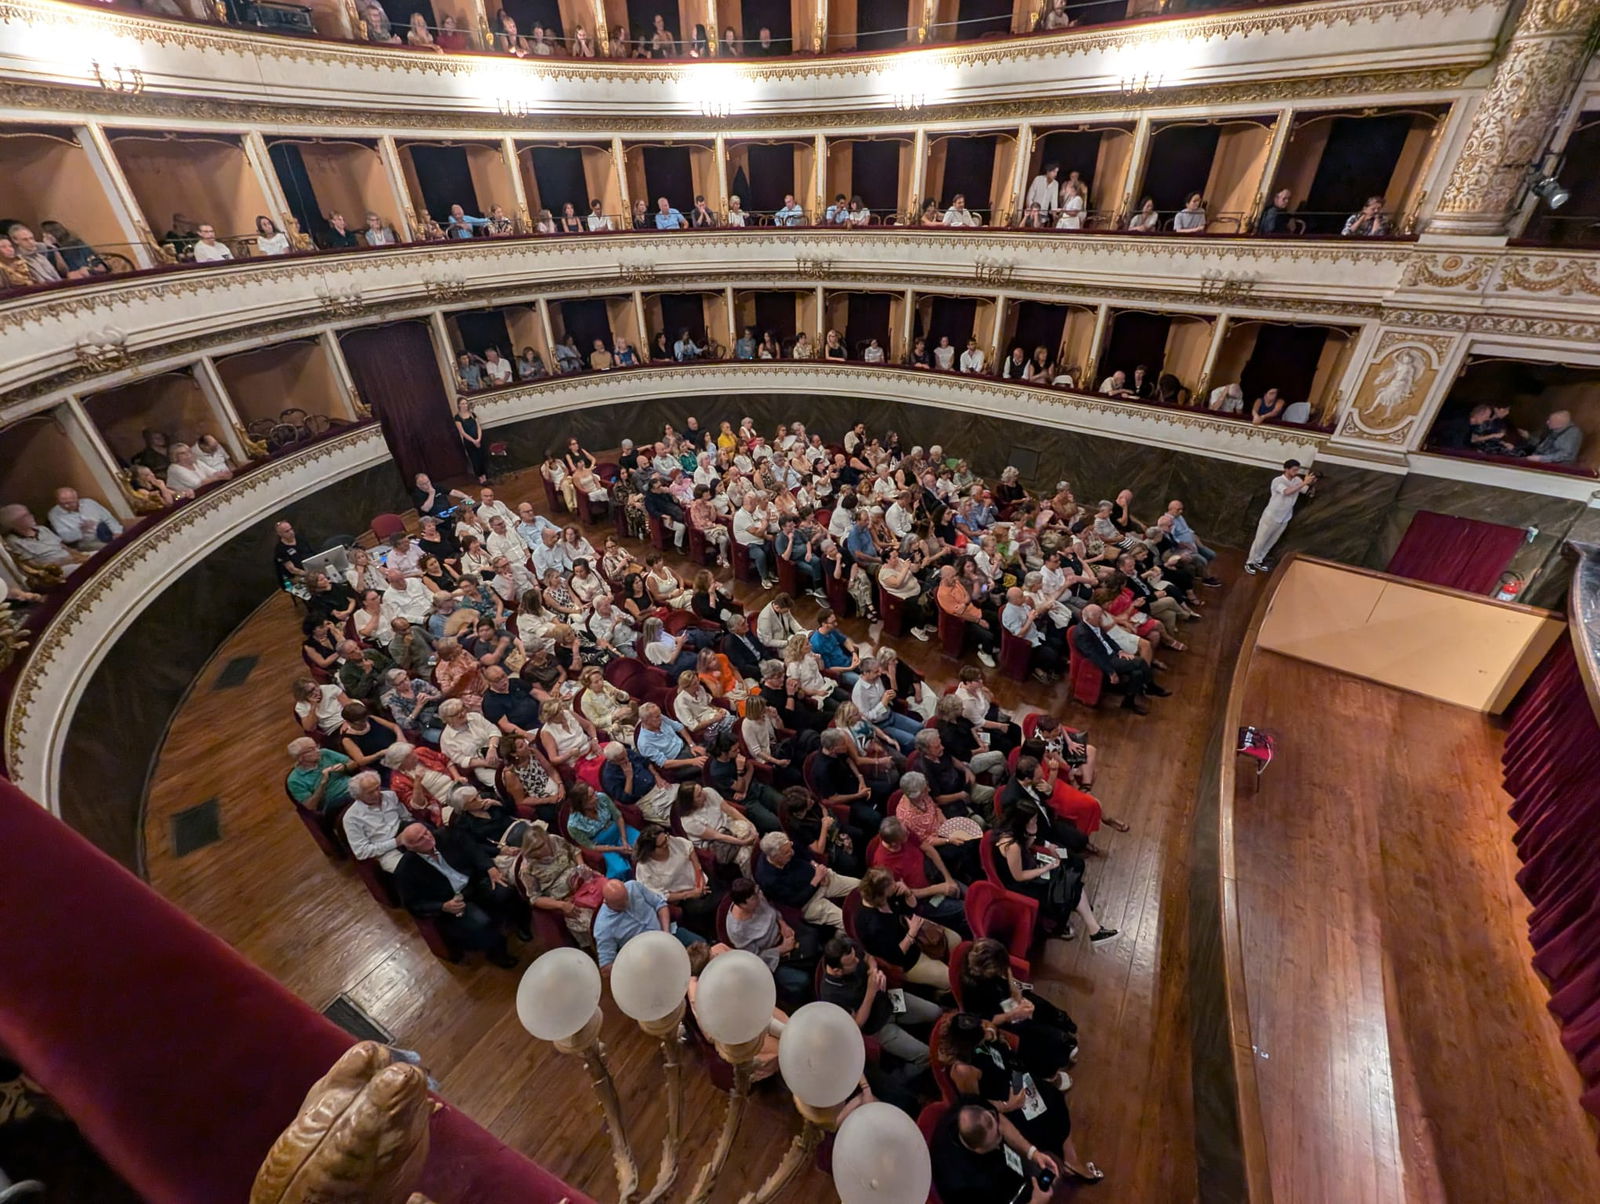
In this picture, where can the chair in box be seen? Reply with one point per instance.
(744, 568)
(552, 495)
(701, 549)
(990, 860)
(387, 526)
(658, 531)
(839, 600)
(589, 509)
(1016, 655)
(788, 576)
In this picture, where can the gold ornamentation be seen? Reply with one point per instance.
(1399, 377)
(256, 449)
(362, 409)
(361, 1135)
(12, 636)
(105, 351)
(341, 305)
(446, 292)
(302, 242)
(1226, 288)
(1462, 273)
(816, 268)
(993, 273)
(1565, 277)
(116, 78)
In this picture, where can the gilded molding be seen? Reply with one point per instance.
(1459, 273)
(1565, 277)
(103, 105)
(1287, 18)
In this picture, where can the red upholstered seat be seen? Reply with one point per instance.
(952, 633)
(739, 555)
(928, 1122)
(1016, 655)
(892, 610)
(552, 495)
(1086, 680)
(788, 576)
(387, 526)
(839, 600)
(1007, 917)
(658, 532)
(700, 548)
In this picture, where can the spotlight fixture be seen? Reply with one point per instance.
(1549, 190)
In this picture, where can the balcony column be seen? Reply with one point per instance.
(638, 316)
(1136, 163)
(719, 154)
(1515, 118)
(348, 397)
(1202, 384)
(445, 352)
(1019, 177)
(550, 333)
(602, 29)
(908, 324)
(82, 434)
(230, 427)
(405, 216)
(142, 246)
(519, 193)
(713, 28)
(1269, 173)
(1002, 302)
(819, 31)
(733, 318)
(819, 174)
(620, 158)
(255, 151)
(919, 174)
(1091, 365)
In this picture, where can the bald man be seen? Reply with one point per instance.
(629, 909)
(451, 879)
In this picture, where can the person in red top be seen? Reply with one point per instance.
(902, 854)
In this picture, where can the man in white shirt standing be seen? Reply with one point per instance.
(972, 359)
(1045, 191)
(208, 249)
(82, 522)
(1286, 491)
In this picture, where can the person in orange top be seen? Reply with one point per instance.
(954, 600)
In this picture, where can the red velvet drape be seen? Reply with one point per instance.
(1462, 553)
(179, 1060)
(397, 374)
(1552, 772)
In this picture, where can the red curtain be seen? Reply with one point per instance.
(178, 1059)
(1552, 772)
(1462, 553)
(397, 374)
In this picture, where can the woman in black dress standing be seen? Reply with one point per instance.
(472, 440)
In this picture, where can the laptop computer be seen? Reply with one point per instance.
(333, 562)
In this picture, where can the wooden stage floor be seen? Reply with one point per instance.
(265, 889)
(1404, 1049)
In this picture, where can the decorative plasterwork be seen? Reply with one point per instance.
(1399, 377)
(69, 649)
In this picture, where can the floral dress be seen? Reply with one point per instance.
(557, 877)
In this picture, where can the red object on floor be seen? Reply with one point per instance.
(178, 1059)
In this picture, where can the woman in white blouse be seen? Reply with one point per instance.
(803, 667)
(185, 472)
(759, 730)
(269, 239)
(715, 824)
(1071, 208)
(669, 864)
(565, 737)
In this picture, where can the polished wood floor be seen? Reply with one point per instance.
(1404, 1049)
(266, 889)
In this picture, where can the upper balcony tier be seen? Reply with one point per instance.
(944, 57)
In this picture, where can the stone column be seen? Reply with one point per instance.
(141, 243)
(405, 218)
(519, 193)
(1515, 117)
(231, 431)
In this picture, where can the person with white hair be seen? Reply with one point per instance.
(319, 780)
(29, 542)
(790, 877)
(186, 473)
(469, 740)
(82, 522)
(373, 821)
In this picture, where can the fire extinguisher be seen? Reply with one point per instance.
(1510, 586)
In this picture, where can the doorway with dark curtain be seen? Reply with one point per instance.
(866, 317)
(1101, 12)
(484, 328)
(400, 15)
(295, 181)
(952, 316)
(586, 321)
(774, 15)
(683, 309)
(875, 176)
(982, 19)
(396, 372)
(446, 180)
(1357, 162)
(881, 25)
(1179, 163)
(771, 176)
(969, 170)
(667, 173)
(528, 13)
(642, 16)
(1038, 325)
(1134, 339)
(558, 173)
(1071, 151)
(1285, 358)
(775, 312)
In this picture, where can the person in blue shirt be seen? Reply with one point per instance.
(628, 909)
(668, 218)
(666, 745)
(744, 348)
(685, 351)
(838, 655)
(859, 543)
(838, 213)
(791, 214)
(462, 226)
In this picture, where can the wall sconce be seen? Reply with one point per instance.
(444, 292)
(513, 108)
(820, 1052)
(993, 271)
(104, 350)
(814, 269)
(637, 273)
(127, 80)
(340, 305)
(910, 102)
(1136, 87)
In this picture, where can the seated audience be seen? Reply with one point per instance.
(1558, 442)
(450, 878)
(373, 821)
(1370, 222)
(82, 522)
(627, 909)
